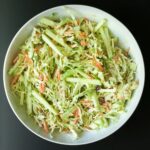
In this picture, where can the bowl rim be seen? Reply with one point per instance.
(4, 74)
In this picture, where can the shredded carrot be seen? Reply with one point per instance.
(98, 65)
(41, 77)
(27, 59)
(45, 127)
(83, 43)
(82, 35)
(14, 79)
(37, 48)
(76, 121)
(57, 74)
(42, 87)
(24, 53)
(76, 113)
(15, 59)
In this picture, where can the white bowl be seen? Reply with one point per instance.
(127, 41)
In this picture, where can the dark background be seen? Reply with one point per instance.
(135, 134)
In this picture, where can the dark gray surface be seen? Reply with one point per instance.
(135, 133)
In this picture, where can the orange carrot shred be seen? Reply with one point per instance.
(27, 59)
(82, 35)
(45, 127)
(57, 74)
(37, 48)
(76, 121)
(15, 59)
(83, 43)
(41, 77)
(14, 79)
(76, 113)
(98, 65)
(42, 87)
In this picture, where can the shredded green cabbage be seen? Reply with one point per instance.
(72, 75)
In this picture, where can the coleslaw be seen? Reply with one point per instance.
(72, 75)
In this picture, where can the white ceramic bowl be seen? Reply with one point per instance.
(127, 41)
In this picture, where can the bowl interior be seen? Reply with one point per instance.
(126, 40)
